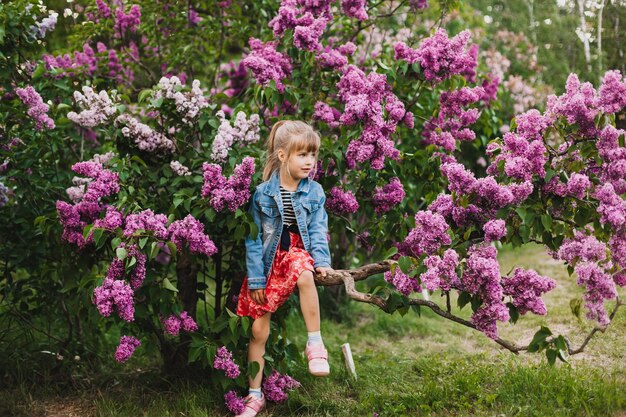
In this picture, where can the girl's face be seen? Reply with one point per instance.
(300, 163)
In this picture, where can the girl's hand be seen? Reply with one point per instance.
(322, 270)
(258, 296)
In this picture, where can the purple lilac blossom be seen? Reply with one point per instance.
(113, 219)
(276, 385)
(127, 22)
(389, 196)
(441, 57)
(429, 234)
(526, 287)
(599, 286)
(148, 221)
(355, 8)
(577, 185)
(97, 108)
(494, 230)
(224, 361)
(403, 283)
(37, 109)
(266, 63)
(234, 403)
(144, 136)
(341, 202)
(191, 230)
(115, 294)
(441, 272)
(126, 348)
(327, 114)
(577, 105)
(612, 92)
(232, 192)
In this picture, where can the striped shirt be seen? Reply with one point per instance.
(290, 216)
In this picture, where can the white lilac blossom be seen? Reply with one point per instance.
(97, 108)
(179, 169)
(144, 136)
(188, 104)
(245, 130)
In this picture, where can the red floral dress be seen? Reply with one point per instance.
(286, 269)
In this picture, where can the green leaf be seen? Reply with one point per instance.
(253, 368)
(513, 312)
(405, 263)
(169, 286)
(115, 242)
(551, 355)
(464, 298)
(142, 242)
(546, 221)
(575, 304)
(390, 252)
(121, 253)
(143, 94)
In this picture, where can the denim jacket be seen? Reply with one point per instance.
(267, 211)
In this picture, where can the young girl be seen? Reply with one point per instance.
(288, 208)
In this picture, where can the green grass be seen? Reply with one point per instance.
(407, 366)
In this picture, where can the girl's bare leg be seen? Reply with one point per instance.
(309, 301)
(256, 348)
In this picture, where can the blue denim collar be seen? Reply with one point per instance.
(273, 186)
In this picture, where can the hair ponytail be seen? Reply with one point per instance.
(294, 135)
(272, 162)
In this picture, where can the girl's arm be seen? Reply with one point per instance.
(318, 232)
(254, 250)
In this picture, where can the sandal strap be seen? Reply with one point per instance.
(316, 352)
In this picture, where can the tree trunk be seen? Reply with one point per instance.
(583, 33)
(600, 11)
(175, 356)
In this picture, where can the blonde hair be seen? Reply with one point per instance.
(290, 136)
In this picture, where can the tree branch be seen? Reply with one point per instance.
(348, 278)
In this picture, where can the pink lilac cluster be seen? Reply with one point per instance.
(234, 403)
(77, 191)
(125, 22)
(174, 323)
(103, 182)
(389, 196)
(126, 348)
(577, 185)
(232, 192)
(327, 114)
(319, 172)
(403, 283)
(613, 158)
(612, 92)
(37, 109)
(138, 275)
(355, 8)
(144, 136)
(335, 58)
(243, 131)
(494, 230)
(103, 9)
(308, 19)
(612, 208)
(577, 105)
(599, 286)
(193, 17)
(147, 221)
(115, 294)
(4, 195)
(87, 62)
(490, 88)
(522, 159)
(191, 230)
(526, 287)
(267, 64)
(237, 78)
(188, 104)
(341, 202)
(97, 108)
(441, 272)
(363, 97)
(308, 37)
(74, 218)
(430, 234)
(418, 4)
(441, 57)
(482, 277)
(451, 123)
(276, 386)
(617, 244)
(224, 361)
(113, 218)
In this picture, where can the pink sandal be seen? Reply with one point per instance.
(254, 405)
(317, 356)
